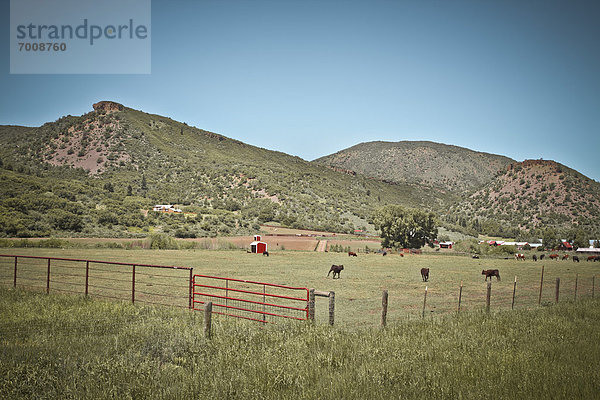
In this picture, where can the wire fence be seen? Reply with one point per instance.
(144, 283)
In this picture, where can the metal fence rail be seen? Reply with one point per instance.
(256, 301)
(146, 283)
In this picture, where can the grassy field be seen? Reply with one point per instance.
(70, 347)
(358, 292)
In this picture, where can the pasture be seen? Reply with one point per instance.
(60, 346)
(358, 291)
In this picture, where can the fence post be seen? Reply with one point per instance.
(489, 296)
(15, 278)
(87, 277)
(133, 285)
(264, 301)
(576, 279)
(311, 304)
(48, 278)
(557, 288)
(424, 303)
(512, 307)
(593, 285)
(191, 295)
(460, 295)
(208, 319)
(541, 284)
(384, 307)
(331, 307)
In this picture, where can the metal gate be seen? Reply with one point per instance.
(256, 301)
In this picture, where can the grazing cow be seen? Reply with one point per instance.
(597, 258)
(575, 259)
(401, 255)
(520, 256)
(489, 273)
(553, 256)
(352, 254)
(425, 274)
(565, 257)
(336, 270)
(266, 253)
(542, 257)
(535, 257)
(591, 258)
(385, 253)
(475, 256)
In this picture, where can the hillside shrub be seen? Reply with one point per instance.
(162, 241)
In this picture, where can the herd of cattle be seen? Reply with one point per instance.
(555, 256)
(489, 273)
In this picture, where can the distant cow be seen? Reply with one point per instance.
(401, 255)
(425, 274)
(475, 256)
(565, 257)
(520, 256)
(385, 253)
(535, 257)
(542, 257)
(553, 256)
(352, 254)
(489, 273)
(336, 270)
(591, 258)
(575, 259)
(266, 253)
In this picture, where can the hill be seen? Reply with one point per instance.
(442, 166)
(99, 173)
(530, 195)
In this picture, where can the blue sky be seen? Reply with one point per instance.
(309, 78)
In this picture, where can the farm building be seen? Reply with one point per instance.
(166, 208)
(564, 245)
(257, 246)
(446, 245)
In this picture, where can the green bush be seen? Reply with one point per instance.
(162, 241)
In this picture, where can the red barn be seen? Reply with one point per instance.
(258, 246)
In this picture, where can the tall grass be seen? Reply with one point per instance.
(57, 346)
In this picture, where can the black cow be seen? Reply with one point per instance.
(542, 257)
(336, 270)
(425, 274)
(489, 273)
(575, 259)
(266, 253)
(535, 257)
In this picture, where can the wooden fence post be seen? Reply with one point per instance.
(311, 304)
(512, 307)
(331, 307)
(557, 288)
(460, 295)
(489, 296)
(424, 303)
(208, 319)
(384, 307)
(541, 284)
(576, 279)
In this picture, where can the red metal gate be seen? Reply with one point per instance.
(256, 301)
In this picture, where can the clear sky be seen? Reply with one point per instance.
(518, 78)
